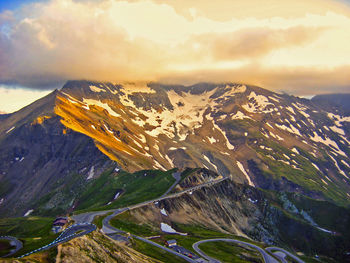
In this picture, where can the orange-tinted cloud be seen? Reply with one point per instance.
(252, 43)
(294, 49)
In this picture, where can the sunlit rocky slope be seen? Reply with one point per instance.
(269, 140)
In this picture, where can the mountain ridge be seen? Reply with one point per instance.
(254, 136)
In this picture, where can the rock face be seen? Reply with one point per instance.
(339, 103)
(253, 135)
(39, 154)
(250, 134)
(276, 219)
(98, 248)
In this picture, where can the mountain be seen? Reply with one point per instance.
(37, 153)
(252, 135)
(334, 102)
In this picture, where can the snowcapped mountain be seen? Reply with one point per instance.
(255, 136)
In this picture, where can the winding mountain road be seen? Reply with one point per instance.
(76, 230)
(109, 229)
(89, 216)
(271, 249)
(267, 258)
(177, 177)
(13, 242)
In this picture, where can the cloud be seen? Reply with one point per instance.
(224, 10)
(300, 81)
(253, 42)
(44, 44)
(16, 98)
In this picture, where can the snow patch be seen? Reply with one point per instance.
(252, 201)
(228, 144)
(116, 195)
(268, 124)
(240, 166)
(304, 114)
(158, 165)
(338, 119)
(208, 160)
(314, 165)
(96, 89)
(345, 163)
(169, 160)
(286, 156)
(143, 138)
(336, 165)
(211, 139)
(337, 130)
(285, 162)
(9, 130)
(295, 150)
(276, 136)
(163, 212)
(167, 229)
(91, 173)
(274, 99)
(290, 129)
(326, 231)
(328, 142)
(239, 116)
(107, 129)
(265, 148)
(290, 109)
(28, 212)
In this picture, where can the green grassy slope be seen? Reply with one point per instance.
(135, 188)
(34, 232)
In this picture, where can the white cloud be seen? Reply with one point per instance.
(14, 99)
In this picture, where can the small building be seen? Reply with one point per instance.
(60, 221)
(171, 243)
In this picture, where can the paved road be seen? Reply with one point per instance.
(177, 177)
(89, 216)
(188, 190)
(13, 242)
(270, 249)
(71, 232)
(106, 227)
(267, 258)
(280, 255)
(165, 248)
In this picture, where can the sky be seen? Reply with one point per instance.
(294, 46)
